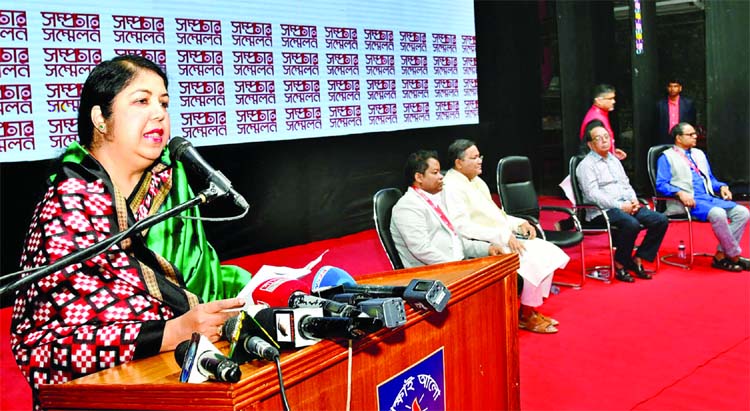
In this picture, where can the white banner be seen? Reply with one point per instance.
(242, 71)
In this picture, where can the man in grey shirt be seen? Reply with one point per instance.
(603, 182)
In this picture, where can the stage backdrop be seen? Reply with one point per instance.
(309, 189)
(242, 71)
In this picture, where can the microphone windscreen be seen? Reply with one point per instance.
(328, 276)
(229, 330)
(177, 145)
(180, 351)
(275, 292)
(265, 318)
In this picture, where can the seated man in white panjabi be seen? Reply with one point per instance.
(476, 216)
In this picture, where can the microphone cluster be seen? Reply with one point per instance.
(331, 305)
(295, 313)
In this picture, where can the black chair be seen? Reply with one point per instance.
(595, 227)
(518, 197)
(382, 204)
(660, 204)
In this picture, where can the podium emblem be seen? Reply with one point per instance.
(421, 387)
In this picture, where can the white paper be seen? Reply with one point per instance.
(567, 188)
(269, 271)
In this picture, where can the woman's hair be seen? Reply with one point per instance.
(104, 82)
(417, 163)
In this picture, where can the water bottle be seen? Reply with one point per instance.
(681, 250)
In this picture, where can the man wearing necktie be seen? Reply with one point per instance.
(684, 172)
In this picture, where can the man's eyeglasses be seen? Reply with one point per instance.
(693, 134)
(474, 158)
(601, 137)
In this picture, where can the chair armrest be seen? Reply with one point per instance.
(561, 209)
(529, 218)
(587, 206)
(566, 210)
(534, 222)
(593, 207)
(665, 199)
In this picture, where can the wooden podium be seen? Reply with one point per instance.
(478, 332)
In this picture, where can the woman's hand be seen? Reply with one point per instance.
(207, 319)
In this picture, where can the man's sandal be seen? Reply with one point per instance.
(536, 324)
(726, 265)
(548, 319)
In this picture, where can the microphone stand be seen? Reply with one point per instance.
(82, 255)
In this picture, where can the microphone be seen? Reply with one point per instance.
(302, 327)
(259, 348)
(423, 294)
(275, 291)
(202, 361)
(288, 292)
(391, 311)
(327, 276)
(248, 339)
(181, 150)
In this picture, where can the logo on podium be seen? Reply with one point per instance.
(419, 387)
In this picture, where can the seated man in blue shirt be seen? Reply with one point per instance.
(604, 183)
(684, 172)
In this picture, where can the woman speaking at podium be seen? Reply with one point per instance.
(142, 296)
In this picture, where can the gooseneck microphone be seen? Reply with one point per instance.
(181, 150)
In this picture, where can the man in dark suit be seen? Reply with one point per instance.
(671, 110)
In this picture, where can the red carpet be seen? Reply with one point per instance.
(677, 342)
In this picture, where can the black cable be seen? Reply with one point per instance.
(215, 219)
(282, 391)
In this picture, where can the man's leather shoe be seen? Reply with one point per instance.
(640, 272)
(622, 275)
